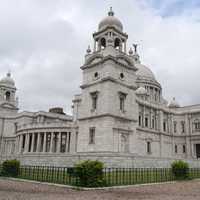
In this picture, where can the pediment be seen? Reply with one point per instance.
(8, 105)
(94, 59)
(125, 60)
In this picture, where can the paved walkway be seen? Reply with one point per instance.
(14, 190)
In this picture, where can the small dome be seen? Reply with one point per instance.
(141, 91)
(144, 72)
(7, 80)
(173, 104)
(110, 20)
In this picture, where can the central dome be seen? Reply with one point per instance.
(144, 72)
(110, 20)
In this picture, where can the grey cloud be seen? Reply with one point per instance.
(44, 42)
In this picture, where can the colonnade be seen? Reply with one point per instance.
(43, 142)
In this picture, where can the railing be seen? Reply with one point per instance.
(112, 176)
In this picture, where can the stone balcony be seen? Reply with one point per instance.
(43, 126)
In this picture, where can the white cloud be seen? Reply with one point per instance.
(44, 42)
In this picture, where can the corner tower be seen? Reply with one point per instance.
(8, 101)
(107, 112)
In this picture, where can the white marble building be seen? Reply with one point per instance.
(120, 117)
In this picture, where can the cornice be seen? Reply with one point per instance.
(108, 78)
(108, 115)
(110, 57)
(110, 27)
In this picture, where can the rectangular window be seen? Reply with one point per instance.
(176, 149)
(140, 120)
(146, 122)
(164, 126)
(153, 123)
(63, 142)
(175, 127)
(122, 104)
(92, 135)
(197, 125)
(148, 147)
(184, 149)
(183, 127)
(122, 97)
(94, 97)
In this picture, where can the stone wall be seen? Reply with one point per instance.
(110, 160)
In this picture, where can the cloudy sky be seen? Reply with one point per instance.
(43, 43)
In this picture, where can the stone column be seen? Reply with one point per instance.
(38, 142)
(32, 142)
(20, 143)
(27, 138)
(95, 48)
(45, 141)
(59, 143)
(161, 131)
(188, 134)
(51, 143)
(143, 117)
(150, 118)
(125, 47)
(67, 140)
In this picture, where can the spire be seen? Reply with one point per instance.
(136, 56)
(111, 13)
(135, 48)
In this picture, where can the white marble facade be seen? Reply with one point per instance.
(120, 116)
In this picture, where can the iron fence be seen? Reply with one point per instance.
(112, 176)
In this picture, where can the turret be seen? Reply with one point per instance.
(8, 101)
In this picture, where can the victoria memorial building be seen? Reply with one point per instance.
(120, 117)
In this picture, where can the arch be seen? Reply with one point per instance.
(117, 43)
(7, 95)
(102, 43)
(124, 143)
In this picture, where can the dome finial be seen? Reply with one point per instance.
(8, 73)
(88, 50)
(130, 51)
(111, 13)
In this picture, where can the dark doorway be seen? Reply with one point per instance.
(198, 150)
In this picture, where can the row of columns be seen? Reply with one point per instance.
(42, 142)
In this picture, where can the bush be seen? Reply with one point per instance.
(90, 173)
(11, 168)
(180, 169)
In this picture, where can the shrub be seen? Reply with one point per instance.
(180, 169)
(10, 168)
(90, 173)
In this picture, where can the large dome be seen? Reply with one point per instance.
(144, 72)
(110, 20)
(7, 80)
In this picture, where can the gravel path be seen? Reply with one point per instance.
(15, 190)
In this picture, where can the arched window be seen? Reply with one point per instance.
(148, 147)
(117, 43)
(124, 143)
(7, 96)
(103, 43)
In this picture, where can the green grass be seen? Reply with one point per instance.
(137, 176)
(51, 174)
